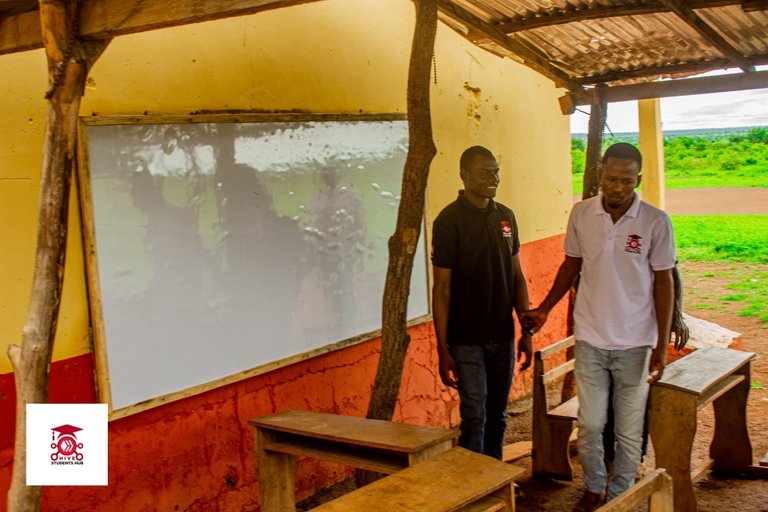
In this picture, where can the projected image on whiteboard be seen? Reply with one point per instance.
(225, 246)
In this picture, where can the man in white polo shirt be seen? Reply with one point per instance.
(624, 250)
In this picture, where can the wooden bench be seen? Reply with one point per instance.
(381, 446)
(552, 425)
(456, 480)
(656, 488)
(709, 374)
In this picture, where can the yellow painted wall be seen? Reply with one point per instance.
(23, 83)
(332, 56)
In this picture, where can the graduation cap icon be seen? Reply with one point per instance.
(66, 430)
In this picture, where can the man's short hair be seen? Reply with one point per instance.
(624, 151)
(469, 155)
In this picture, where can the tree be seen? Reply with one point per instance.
(69, 61)
(402, 244)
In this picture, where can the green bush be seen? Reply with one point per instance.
(717, 160)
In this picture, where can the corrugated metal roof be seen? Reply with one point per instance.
(581, 42)
(621, 41)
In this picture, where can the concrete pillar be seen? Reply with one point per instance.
(652, 148)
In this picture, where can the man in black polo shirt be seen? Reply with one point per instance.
(478, 280)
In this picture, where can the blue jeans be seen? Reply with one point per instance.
(595, 369)
(485, 376)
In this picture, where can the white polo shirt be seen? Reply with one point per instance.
(614, 305)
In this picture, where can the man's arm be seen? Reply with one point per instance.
(678, 323)
(566, 275)
(663, 301)
(441, 301)
(525, 344)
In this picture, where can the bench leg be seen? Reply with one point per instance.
(277, 477)
(507, 495)
(731, 449)
(430, 452)
(550, 449)
(672, 425)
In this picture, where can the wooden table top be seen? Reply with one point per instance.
(353, 430)
(703, 368)
(443, 483)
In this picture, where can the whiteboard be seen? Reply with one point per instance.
(223, 246)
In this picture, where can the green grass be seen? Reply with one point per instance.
(744, 177)
(730, 238)
(708, 161)
(742, 238)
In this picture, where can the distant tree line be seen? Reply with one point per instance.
(704, 155)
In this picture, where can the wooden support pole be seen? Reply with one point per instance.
(597, 115)
(402, 244)
(68, 65)
(668, 88)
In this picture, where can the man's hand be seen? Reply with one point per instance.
(680, 330)
(448, 370)
(534, 318)
(525, 348)
(656, 365)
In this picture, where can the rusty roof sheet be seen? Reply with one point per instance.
(621, 41)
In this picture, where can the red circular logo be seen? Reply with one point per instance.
(67, 445)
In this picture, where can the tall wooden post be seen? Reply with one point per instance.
(652, 147)
(68, 65)
(402, 244)
(597, 115)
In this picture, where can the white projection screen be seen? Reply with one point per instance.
(221, 249)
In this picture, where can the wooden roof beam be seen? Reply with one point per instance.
(685, 12)
(573, 14)
(668, 88)
(671, 69)
(531, 58)
(104, 19)
(754, 5)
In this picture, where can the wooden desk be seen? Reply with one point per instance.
(706, 375)
(456, 480)
(382, 446)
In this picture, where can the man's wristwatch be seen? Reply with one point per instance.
(529, 331)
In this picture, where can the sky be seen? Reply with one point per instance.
(716, 110)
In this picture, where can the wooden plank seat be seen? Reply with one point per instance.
(707, 375)
(455, 480)
(375, 445)
(656, 488)
(552, 423)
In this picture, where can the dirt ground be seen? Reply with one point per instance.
(704, 284)
(711, 201)
(706, 201)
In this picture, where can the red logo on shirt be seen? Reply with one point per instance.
(633, 244)
(506, 229)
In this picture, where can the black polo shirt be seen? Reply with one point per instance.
(477, 245)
